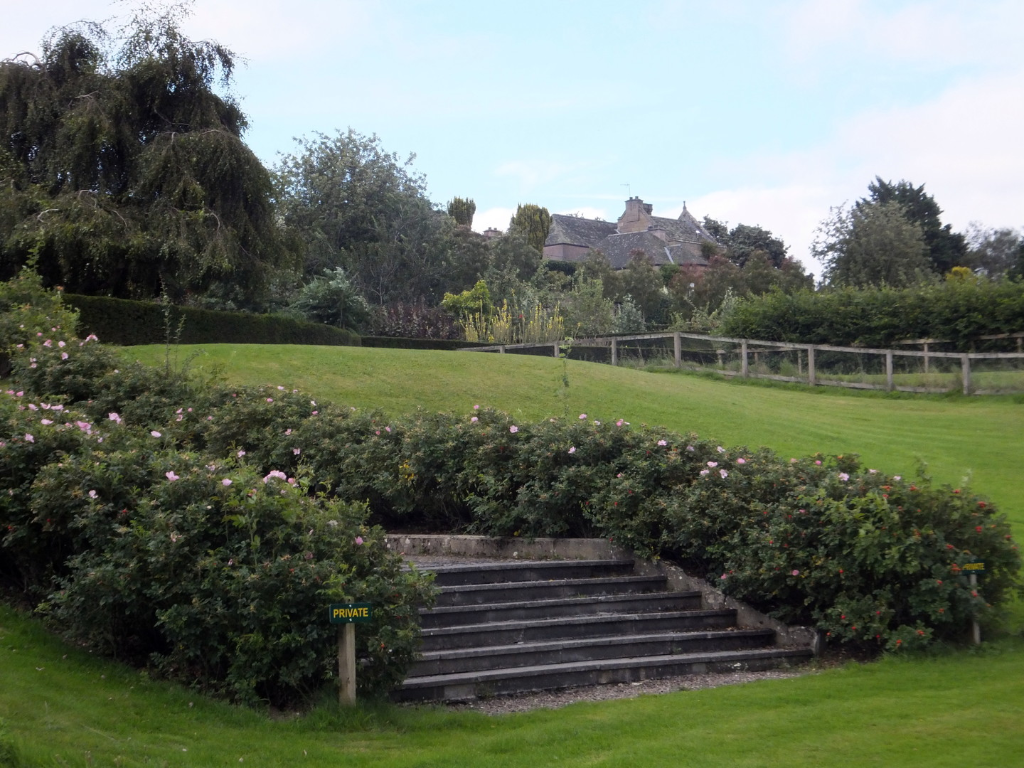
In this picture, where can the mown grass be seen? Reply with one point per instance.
(951, 709)
(67, 708)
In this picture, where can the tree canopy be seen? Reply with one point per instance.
(871, 244)
(123, 170)
(744, 240)
(946, 248)
(532, 223)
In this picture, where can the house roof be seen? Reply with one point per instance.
(574, 230)
(680, 245)
(619, 248)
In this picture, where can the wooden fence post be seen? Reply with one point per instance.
(347, 664)
(888, 370)
(799, 363)
(743, 351)
(926, 357)
(812, 378)
(678, 348)
(501, 349)
(615, 351)
(965, 370)
(555, 345)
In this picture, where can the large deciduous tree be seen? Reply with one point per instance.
(123, 170)
(946, 248)
(744, 240)
(871, 244)
(354, 205)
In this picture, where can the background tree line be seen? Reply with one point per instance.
(124, 172)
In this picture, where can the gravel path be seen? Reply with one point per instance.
(505, 705)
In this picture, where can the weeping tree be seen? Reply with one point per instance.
(123, 171)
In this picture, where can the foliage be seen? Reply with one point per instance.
(743, 241)
(954, 311)
(641, 282)
(413, 321)
(531, 222)
(332, 300)
(629, 318)
(513, 258)
(122, 321)
(994, 252)
(476, 300)
(527, 323)
(126, 172)
(871, 244)
(462, 211)
(588, 312)
(946, 249)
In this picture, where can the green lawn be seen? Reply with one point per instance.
(66, 708)
(958, 709)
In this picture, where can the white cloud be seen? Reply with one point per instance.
(493, 217)
(921, 34)
(963, 146)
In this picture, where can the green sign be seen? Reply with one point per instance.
(978, 567)
(351, 613)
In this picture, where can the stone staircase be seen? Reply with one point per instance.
(512, 627)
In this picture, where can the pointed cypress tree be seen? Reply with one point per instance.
(532, 222)
(123, 170)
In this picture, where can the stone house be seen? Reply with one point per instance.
(664, 240)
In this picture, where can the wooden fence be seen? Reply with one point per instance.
(807, 370)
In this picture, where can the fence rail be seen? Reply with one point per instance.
(976, 373)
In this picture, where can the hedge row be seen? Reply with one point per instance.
(126, 322)
(396, 342)
(955, 311)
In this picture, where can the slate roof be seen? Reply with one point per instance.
(618, 248)
(574, 230)
(683, 238)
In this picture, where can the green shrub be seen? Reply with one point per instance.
(223, 585)
(126, 322)
(954, 311)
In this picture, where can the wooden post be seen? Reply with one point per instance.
(812, 379)
(744, 368)
(965, 370)
(555, 345)
(501, 349)
(975, 629)
(926, 357)
(615, 351)
(757, 360)
(799, 363)
(677, 343)
(347, 664)
(888, 370)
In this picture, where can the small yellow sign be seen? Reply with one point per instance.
(351, 613)
(978, 567)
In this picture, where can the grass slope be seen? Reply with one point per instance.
(981, 437)
(68, 709)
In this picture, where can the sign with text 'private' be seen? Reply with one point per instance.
(351, 613)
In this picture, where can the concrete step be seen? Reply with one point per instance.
(587, 649)
(537, 570)
(565, 627)
(519, 591)
(460, 615)
(469, 685)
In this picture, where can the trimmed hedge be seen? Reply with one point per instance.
(126, 322)
(395, 342)
(954, 311)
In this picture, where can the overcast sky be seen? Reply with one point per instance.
(756, 112)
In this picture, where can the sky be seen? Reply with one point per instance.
(758, 112)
